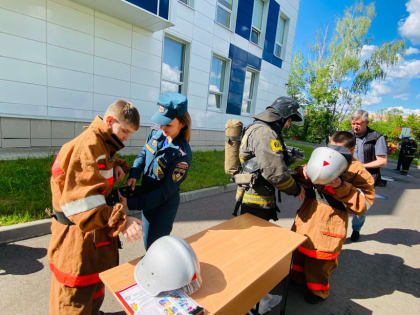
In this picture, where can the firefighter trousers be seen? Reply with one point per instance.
(314, 273)
(66, 300)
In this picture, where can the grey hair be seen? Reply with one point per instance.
(360, 113)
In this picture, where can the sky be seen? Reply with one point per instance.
(395, 20)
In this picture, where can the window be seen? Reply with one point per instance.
(187, 2)
(248, 92)
(280, 45)
(173, 66)
(257, 18)
(217, 82)
(224, 12)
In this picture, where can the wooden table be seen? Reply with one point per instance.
(241, 260)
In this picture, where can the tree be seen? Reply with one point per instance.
(336, 73)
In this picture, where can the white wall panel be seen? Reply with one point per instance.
(70, 98)
(22, 25)
(183, 27)
(21, 48)
(70, 79)
(205, 8)
(112, 69)
(199, 76)
(144, 93)
(69, 59)
(23, 71)
(113, 51)
(204, 22)
(65, 37)
(101, 102)
(146, 43)
(198, 89)
(201, 49)
(34, 8)
(146, 61)
(146, 77)
(200, 63)
(70, 113)
(23, 93)
(202, 36)
(69, 17)
(112, 32)
(24, 110)
(110, 86)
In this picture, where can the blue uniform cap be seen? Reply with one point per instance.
(171, 105)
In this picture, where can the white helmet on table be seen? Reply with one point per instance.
(326, 164)
(169, 264)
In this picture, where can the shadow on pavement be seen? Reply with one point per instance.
(20, 260)
(405, 237)
(364, 276)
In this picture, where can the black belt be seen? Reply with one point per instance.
(61, 217)
(324, 198)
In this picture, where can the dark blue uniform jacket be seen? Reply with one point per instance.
(164, 168)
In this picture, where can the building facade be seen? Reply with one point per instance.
(64, 61)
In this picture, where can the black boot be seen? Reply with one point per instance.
(355, 236)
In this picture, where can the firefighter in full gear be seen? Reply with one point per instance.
(335, 185)
(264, 160)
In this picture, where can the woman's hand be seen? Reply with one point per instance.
(132, 182)
(305, 172)
(133, 231)
(119, 173)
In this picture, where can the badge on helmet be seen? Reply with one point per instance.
(169, 264)
(325, 165)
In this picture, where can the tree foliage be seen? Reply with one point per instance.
(331, 79)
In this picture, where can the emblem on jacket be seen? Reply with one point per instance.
(276, 145)
(179, 171)
(161, 109)
(154, 143)
(159, 173)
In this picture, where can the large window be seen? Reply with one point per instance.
(280, 45)
(257, 18)
(224, 12)
(217, 82)
(173, 66)
(248, 96)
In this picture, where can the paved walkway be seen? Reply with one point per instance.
(380, 274)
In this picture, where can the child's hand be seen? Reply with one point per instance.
(335, 183)
(305, 172)
(132, 182)
(133, 231)
(119, 173)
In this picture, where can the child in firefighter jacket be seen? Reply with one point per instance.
(85, 229)
(323, 218)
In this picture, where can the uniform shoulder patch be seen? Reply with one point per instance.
(276, 145)
(182, 165)
(178, 173)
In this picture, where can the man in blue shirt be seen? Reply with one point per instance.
(371, 151)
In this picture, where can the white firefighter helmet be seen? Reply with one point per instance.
(325, 165)
(169, 264)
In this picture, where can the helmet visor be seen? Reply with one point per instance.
(298, 117)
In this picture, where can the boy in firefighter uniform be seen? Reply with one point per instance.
(85, 229)
(323, 215)
(263, 155)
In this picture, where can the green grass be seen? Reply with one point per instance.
(25, 183)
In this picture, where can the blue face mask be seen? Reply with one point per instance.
(343, 150)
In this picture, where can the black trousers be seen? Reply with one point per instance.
(406, 164)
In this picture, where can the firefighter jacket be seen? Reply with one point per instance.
(262, 144)
(164, 167)
(81, 178)
(323, 219)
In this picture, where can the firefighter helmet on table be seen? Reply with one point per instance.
(169, 264)
(282, 108)
(326, 164)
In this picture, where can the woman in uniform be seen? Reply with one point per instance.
(164, 162)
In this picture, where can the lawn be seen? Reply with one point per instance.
(25, 183)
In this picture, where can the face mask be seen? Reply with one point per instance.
(343, 150)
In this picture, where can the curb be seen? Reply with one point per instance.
(22, 231)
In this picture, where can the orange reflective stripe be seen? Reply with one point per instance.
(317, 286)
(56, 169)
(318, 254)
(297, 268)
(110, 181)
(72, 280)
(334, 235)
(102, 244)
(99, 293)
